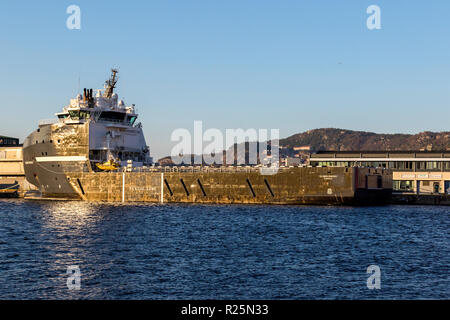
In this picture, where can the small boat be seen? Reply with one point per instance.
(108, 165)
(9, 190)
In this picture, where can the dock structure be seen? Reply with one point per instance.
(12, 175)
(421, 177)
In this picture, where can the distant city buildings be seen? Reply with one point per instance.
(289, 162)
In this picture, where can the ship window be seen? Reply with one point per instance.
(84, 114)
(131, 119)
(112, 116)
(74, 114)
(63, 116)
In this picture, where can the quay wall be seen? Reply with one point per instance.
(421, 199)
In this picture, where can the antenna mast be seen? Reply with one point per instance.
(111, 84)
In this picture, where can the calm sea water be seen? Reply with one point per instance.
(139, 251)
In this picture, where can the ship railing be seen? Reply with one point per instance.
(196, 169)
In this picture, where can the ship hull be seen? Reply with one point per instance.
(52, 151)
(320, 186)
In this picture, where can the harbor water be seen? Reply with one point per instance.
(144, 251)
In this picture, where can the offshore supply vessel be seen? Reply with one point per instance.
(95, 150)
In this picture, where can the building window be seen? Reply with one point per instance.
(401, 165)
(375, 164)
(403, 185)
(433, 165)
(428, 165)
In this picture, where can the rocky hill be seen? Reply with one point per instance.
(348, 140)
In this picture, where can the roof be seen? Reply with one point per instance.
(5, 137)
(381, 155)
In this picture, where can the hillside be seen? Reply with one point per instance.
(348, 140)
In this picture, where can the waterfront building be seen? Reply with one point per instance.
(419, 172)
(12, 175)
(8, 141)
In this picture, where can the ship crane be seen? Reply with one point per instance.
(111, 84)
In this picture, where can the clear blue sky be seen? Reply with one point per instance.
(292, 65)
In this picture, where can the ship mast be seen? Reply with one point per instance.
(111, 84)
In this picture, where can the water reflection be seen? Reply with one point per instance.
(68, 237)
(143, 251)
(98, 237)
(70, 215)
